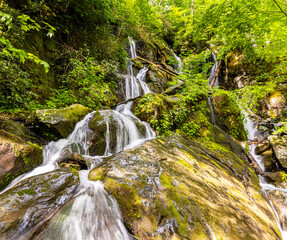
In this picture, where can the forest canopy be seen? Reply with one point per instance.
(41, 41)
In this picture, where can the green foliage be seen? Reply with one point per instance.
(87, 83)
(250, 96)
(284, 177)
(191, 129)
(282, 129)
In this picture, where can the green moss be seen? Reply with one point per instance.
(62, 120)
(128, 200)
(97, 174)
(229, 114)
(26, 191)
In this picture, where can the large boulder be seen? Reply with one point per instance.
(59, 123)
(279, 145)
(20, 151)
(171, 188)
(30, 203)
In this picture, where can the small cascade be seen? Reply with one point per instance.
(132, 48)
(266, 188)
(179, 63)
(127, 130)
(93, 215)
(135, 85)
(213, 69)
(212, 112)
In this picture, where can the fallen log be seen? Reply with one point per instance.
(175, 74)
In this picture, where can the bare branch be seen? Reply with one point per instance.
(280, 7)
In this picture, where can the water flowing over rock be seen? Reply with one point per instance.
(112, 131)
(213, 70)
(92, 215)
(275, 195)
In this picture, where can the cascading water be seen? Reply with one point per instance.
(135, 85)
(179, 62)
(94, 214)
(212, 112)
(213, 69)
(266, 188)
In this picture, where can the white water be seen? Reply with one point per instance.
(265, 187)
(76, 142)
(135, 85)
(179, 63)
(212, 112)
(94, 215)
(213, 70)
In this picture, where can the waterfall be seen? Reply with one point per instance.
(94, 214)
(179, 63)
(212, 112)
(213, 69)
(135, 85)
(265, 187)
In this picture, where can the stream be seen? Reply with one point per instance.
(266, 188)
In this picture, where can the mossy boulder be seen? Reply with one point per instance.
(274, 105)
(262, 147)
(228, 115)
(155, 109)
(172, 188)
(269, 161)
(20, 151)
(27, 206)
(59, 123)
(279, 146)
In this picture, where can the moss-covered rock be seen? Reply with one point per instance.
(229, 115)
(187, 190)
(269, 161)
(27, 206)
(20, 151)
(59, 123)
(279, 145)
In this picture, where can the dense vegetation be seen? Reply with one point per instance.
(55, 53)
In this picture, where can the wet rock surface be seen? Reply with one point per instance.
(26, 206)
(59, 123)
(172, 188)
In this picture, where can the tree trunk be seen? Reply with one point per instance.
(192, 8)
